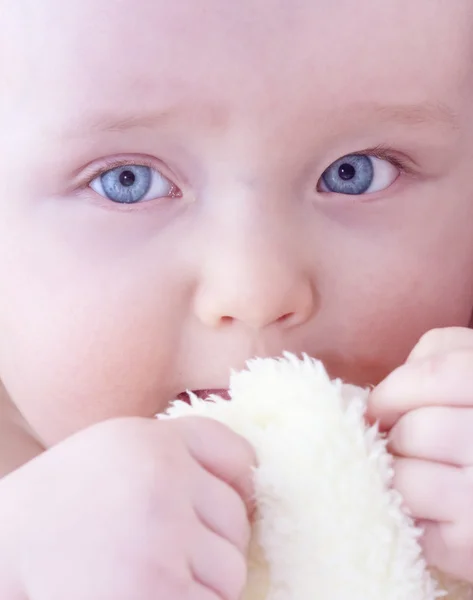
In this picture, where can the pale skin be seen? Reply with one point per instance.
(247, 242)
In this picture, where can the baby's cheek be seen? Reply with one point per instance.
(71, 359)
(374, 316)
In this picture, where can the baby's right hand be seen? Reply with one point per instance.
(133, 509)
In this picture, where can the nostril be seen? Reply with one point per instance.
(279, 321)
(285, 318)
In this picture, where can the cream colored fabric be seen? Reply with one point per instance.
(329, 526)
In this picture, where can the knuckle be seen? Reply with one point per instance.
(160, 478)
(448, 375)
(155, 575)
(434, 365)
(175, 582)
(429, 341)
(447, 365)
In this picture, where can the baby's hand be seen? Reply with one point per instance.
(427, 407)
(134, 508)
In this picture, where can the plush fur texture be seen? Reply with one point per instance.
(328, 526)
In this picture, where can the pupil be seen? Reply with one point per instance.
(346, 171)
(127, 178)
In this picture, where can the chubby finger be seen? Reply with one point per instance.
(449, 548)
(221, 509)
(222, 452)
(218, 565)
(432, 491)
(438, 341)
(440, 379)
(436, 433)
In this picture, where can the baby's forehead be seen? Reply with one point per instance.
(207, 60)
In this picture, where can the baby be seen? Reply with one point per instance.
(186, 185)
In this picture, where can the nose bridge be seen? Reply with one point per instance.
(251, 269)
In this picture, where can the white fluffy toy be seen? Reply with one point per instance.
(329, 526)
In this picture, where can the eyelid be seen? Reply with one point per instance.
(398, 159)
(98, 167)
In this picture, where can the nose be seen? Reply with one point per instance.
(253, 273)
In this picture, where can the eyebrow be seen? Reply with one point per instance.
(103, 122)
(426, 113)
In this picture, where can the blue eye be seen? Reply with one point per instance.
(130, 184)
(357, 174)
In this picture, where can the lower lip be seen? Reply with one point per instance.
(205, 394)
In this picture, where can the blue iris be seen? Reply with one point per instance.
(127, 184)
(352, 174)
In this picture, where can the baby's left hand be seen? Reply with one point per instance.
(426, 406)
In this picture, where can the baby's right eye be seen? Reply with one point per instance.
(130, 184)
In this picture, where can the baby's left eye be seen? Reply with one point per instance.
(357, 174)
(130, 184)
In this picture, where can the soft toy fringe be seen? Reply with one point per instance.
(329, 525)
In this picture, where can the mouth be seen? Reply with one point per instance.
(205, 394)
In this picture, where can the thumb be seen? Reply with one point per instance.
(438, 341)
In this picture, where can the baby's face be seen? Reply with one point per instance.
(185, 185)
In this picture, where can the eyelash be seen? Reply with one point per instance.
(92, 173)
(386, 153)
